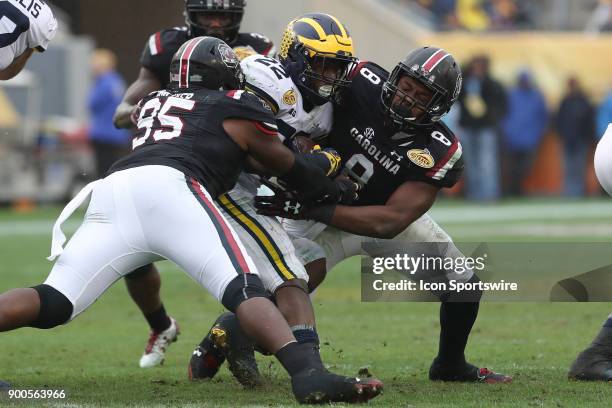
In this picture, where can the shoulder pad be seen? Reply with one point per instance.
(166, 41)
(266, 77)
(437, 155)
(160, 49)
(372, 67)
(244, 104)
(42, 28)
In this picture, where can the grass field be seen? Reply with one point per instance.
(95, 358)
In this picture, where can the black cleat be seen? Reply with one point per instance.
(320, 387)
(465, 372)
(208, 357)
(4, 386)
(204, 364)
(593, 364)
(227, 339)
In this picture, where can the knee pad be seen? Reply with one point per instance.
(55, 308)
(243, 287)
(139, 272)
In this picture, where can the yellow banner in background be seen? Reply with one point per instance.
(551, 57)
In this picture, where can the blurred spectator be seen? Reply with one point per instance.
(604, 114)
(444, 12)
(506, 14)
(478, 15)
(483, 104)
(601, 18)
(471, 15)
(523, 128)
(109, 143)
(576, 126)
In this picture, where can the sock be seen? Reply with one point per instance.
(456, 321)
(307, 335)
(296, 357)
(158, 320)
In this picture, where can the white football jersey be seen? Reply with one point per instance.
(24, 24)
(267, 77)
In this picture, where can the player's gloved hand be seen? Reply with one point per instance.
(283, 203)
(289, 204)
(334, 159)
(348, 190)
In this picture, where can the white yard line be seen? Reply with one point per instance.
(473, 213)
(531, 229)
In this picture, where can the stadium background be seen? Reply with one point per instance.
(45, 157)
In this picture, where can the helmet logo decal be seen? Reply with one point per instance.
(228, 56)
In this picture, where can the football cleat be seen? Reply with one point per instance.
(227, 337)
(593, 364)
(208, 357)
(319, 387)
(155, 352)
(4, 386)
(466, 372)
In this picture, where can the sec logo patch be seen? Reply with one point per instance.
(421, 157)
(289, 97)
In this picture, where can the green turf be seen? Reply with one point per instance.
(95, 358)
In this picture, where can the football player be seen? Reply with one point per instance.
(24, 28)
(595, 362)
(157, 203)
(216, 18)
(388, 131)
(316, 56)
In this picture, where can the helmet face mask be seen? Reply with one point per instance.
(206, 62)
(215, 18)
(317, 52)
(325, 73)
(421, 89)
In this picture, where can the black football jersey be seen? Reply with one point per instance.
(161, 46)
(183, 129)
(380, 160)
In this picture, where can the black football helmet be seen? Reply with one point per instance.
(435, 69)
(206, 62)
(232, 8)
(322, 40)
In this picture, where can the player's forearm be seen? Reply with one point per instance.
(122, 118)
(376, 221)
(309, 179)
(16, 66)
(327, 161)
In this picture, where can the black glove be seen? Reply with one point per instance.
(289, 204)
(284, 203)
(348, 190)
